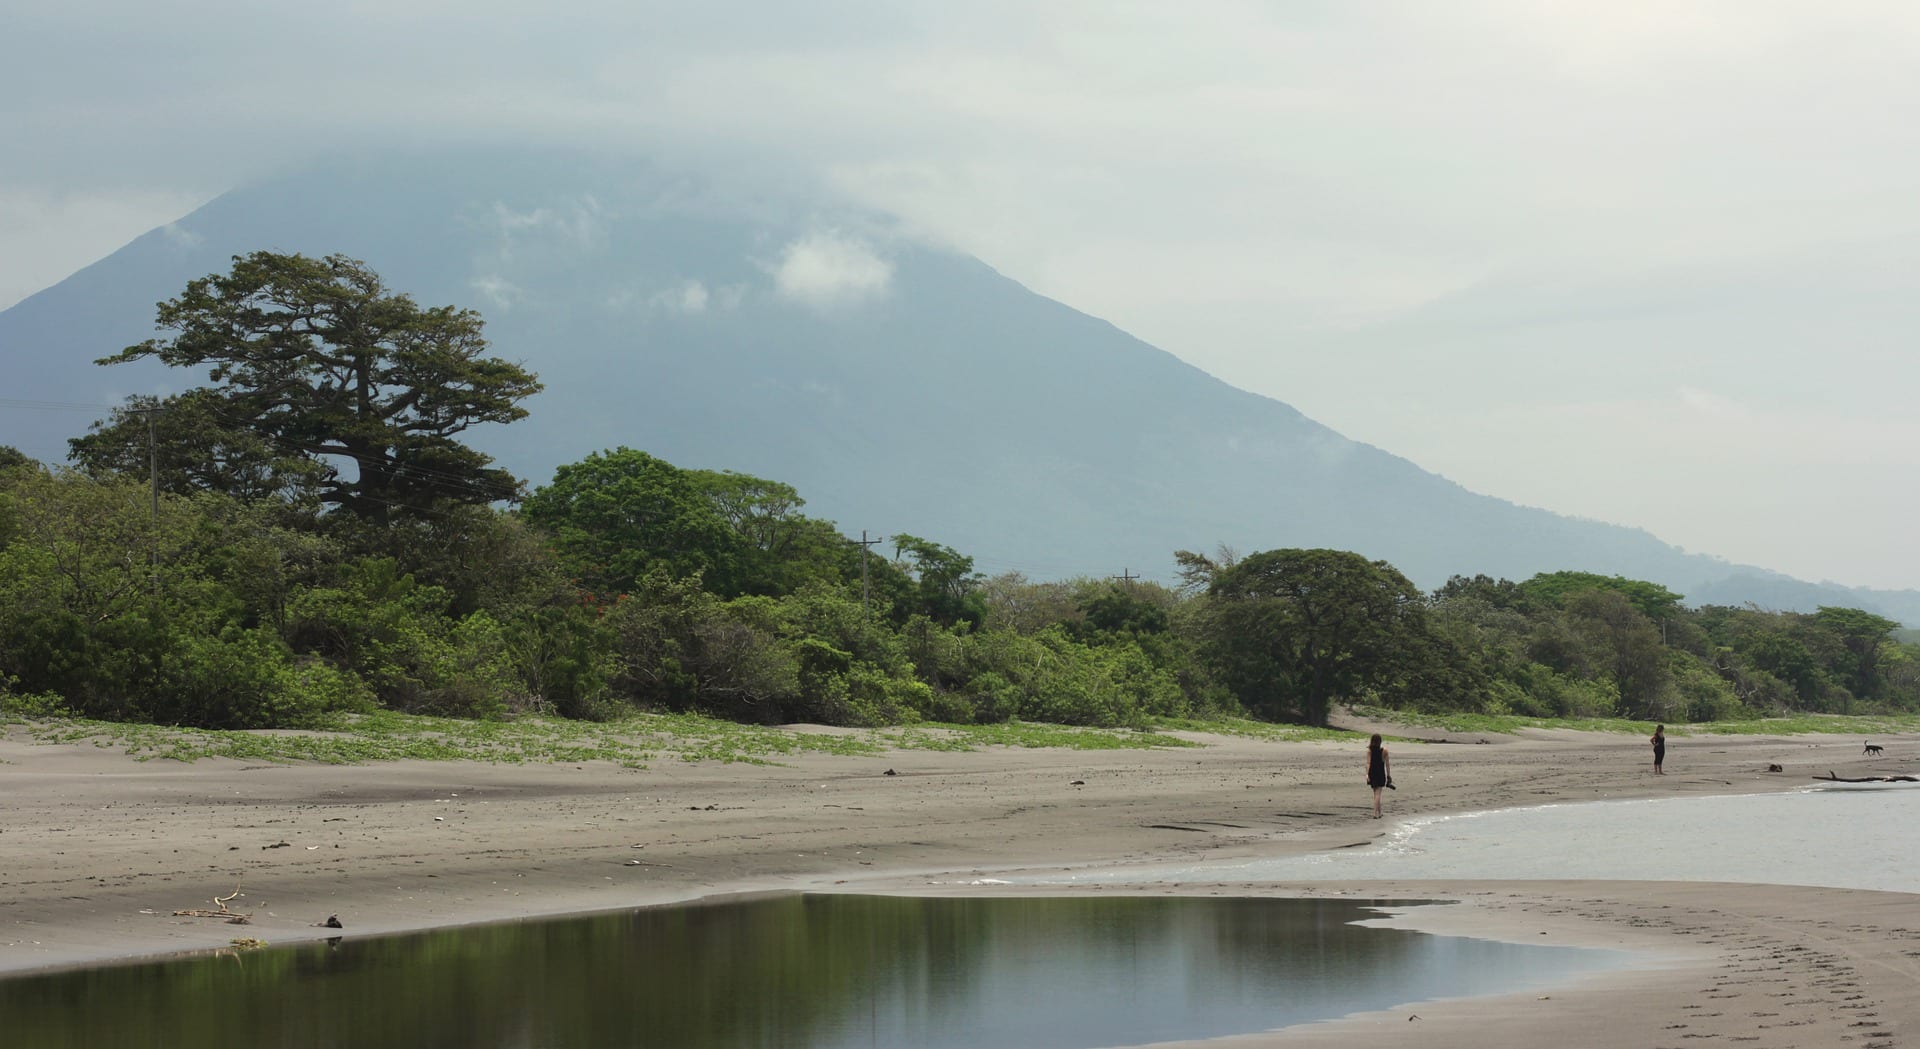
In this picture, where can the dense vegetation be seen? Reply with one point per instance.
(321, 542)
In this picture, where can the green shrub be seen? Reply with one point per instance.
(34, 705)
(1704, 695)
(875, 697)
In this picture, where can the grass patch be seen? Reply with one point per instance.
(387, 736)
(1829, 724)
(1266, 731)
(1507, 724)
(634, 741)
(1025, 734)
(641, 739)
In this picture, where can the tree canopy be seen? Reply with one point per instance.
(192, 444)
(1296, 629)
(1558, 588)
(316, 360)
(617, 514)
(629, 583)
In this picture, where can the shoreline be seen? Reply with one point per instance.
(97, 851)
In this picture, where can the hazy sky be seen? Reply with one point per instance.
(1653, 263)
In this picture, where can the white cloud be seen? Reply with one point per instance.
(1245, 184)
(574, 225)
(831, 269)
(497, 290)
(577, 221)
(690, 297)
(181, 235)
(693, 297)
(684, 298)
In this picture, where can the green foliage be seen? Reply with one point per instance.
(633, 740)
(1508, 723)
(1556, 589)
(1533, 690)
(1830, 724)
(116, 608)
(1116, 612)
(195, 442)
(1624, 645)
(1702, 694)
(945, 585)
(1295, 630)
(223, 612)
(31, 706)
(618, 516)
(778, 549)
(1029, 735)
(1863, 634)
(481, 557)
(315, 360)
(272, 587)
(1015, 603)
(1261, 730)
(377, 623)
(555, 657)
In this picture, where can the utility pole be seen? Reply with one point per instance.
(1126, 576)
(153, 483)
(864, 544)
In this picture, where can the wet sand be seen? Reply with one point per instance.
(97, 852)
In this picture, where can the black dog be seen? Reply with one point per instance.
(1873, 749)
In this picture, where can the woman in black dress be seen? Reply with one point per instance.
(1659, 742)
(1379, 770)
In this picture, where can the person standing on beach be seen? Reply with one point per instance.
(1659, 742)
(1379, 771)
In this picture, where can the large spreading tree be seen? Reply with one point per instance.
(1291, 631)
(317, 361)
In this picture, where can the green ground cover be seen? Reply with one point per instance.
(1507, 724)
(634, 741)
(642, 739)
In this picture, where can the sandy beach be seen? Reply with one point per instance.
(98, 852)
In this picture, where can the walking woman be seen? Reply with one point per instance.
(1659, 742)
(1379, 771)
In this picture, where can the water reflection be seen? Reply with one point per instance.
(814, 971)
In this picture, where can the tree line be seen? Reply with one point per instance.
(322, 542)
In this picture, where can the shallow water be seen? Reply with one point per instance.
(1850, 839)
(813, 971)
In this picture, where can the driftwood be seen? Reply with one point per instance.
(1831, 778)
(232, 917)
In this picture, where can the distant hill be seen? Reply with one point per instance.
(899, 386)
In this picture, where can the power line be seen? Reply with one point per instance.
(68, 406)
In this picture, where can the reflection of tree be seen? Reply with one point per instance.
(796, 970)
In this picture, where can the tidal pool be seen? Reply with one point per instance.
(1841, 838)
(799, 971)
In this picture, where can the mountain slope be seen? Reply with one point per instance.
(900, 387)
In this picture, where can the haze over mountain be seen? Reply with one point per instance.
(899, 385)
